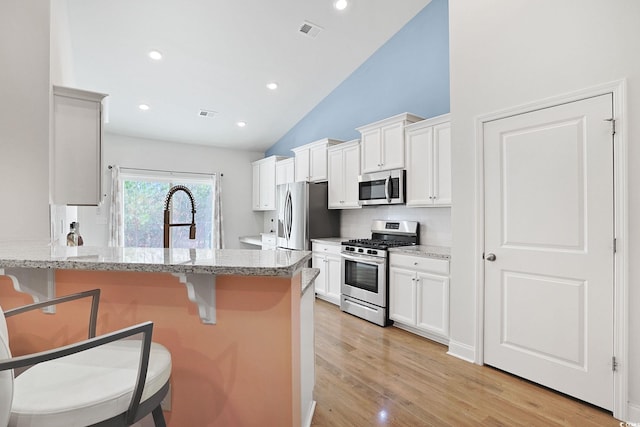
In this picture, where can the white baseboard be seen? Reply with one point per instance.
(423, 334)
(307, 422)
(462, 351)
(633, 413)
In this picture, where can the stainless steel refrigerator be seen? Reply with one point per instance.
(303, 215)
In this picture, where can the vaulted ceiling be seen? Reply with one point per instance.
(216, 56)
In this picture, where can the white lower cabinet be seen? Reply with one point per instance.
(268, 241)
(326, 258)
(419, 295)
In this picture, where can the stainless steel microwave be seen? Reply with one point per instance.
(382, 188)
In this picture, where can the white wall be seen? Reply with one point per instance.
(435, 223)
(132, 152)
(24, 120)
(506, 53)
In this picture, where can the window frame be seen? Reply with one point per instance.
(171, 178)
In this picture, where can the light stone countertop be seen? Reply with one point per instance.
(330, 240)
(441, 252)
(251, 240)
(243, 262)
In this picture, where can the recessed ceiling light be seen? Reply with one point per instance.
(272, 85)
(154, 54)
(241, 124)
(143, 107)
(340, 4)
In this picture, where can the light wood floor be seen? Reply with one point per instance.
(368, 376)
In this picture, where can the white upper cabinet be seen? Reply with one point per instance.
(383, 143)
(311, 160)
(264, 183)
(76, 147)
(285, 171)
(344, 168)
(428, 164)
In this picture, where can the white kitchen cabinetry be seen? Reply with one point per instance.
(419, 295)
(382, 143)
(264, 183)
(76, 147)
(327, 258)
(311, 160)
(344, 168)
(268, 241)
(428, 145)
(285, 171)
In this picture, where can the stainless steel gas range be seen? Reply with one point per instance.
(365, 272)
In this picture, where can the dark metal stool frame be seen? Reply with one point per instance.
(136, 410)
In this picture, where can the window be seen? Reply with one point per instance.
(144, 194)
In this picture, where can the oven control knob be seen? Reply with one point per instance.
(372, 252)
(360, 250)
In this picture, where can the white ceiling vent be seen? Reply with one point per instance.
(207, 113)
(310, 30)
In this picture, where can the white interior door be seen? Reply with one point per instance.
(549, 254)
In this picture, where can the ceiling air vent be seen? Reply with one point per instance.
(207, 113)
(309, 29)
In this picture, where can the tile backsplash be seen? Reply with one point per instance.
(435, 223)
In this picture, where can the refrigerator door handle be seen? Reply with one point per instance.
(287, 216)
(290, 215)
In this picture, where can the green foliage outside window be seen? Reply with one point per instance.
(143, 206)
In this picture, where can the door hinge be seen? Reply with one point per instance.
(614, 364)
(615, 245)
(613, 125)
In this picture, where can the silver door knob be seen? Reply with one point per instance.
(490, 257)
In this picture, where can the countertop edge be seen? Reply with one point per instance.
(284, 271)
(426, 251)
(308, 278)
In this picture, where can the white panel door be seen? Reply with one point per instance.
(419, 161)
(371, 151)
(402, 296)
(441, 189)
(432, 299)
(302, 165)
(351, 159)
(392, 146)
(336, 179)
(334, 278)
(319, 261)
(549, 224)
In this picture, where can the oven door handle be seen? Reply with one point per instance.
(365, 259)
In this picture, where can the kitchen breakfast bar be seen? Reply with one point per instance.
(238, 323)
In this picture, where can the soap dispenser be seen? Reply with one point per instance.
(73, 237)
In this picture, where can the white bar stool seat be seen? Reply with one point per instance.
(105, 381)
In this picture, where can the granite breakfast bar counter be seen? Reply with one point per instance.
(239, 323)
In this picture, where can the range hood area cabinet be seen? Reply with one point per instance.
(264, 183)
(76, 147)
(382, 143)
(344, 169)
(311, 160)
(428, 150)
